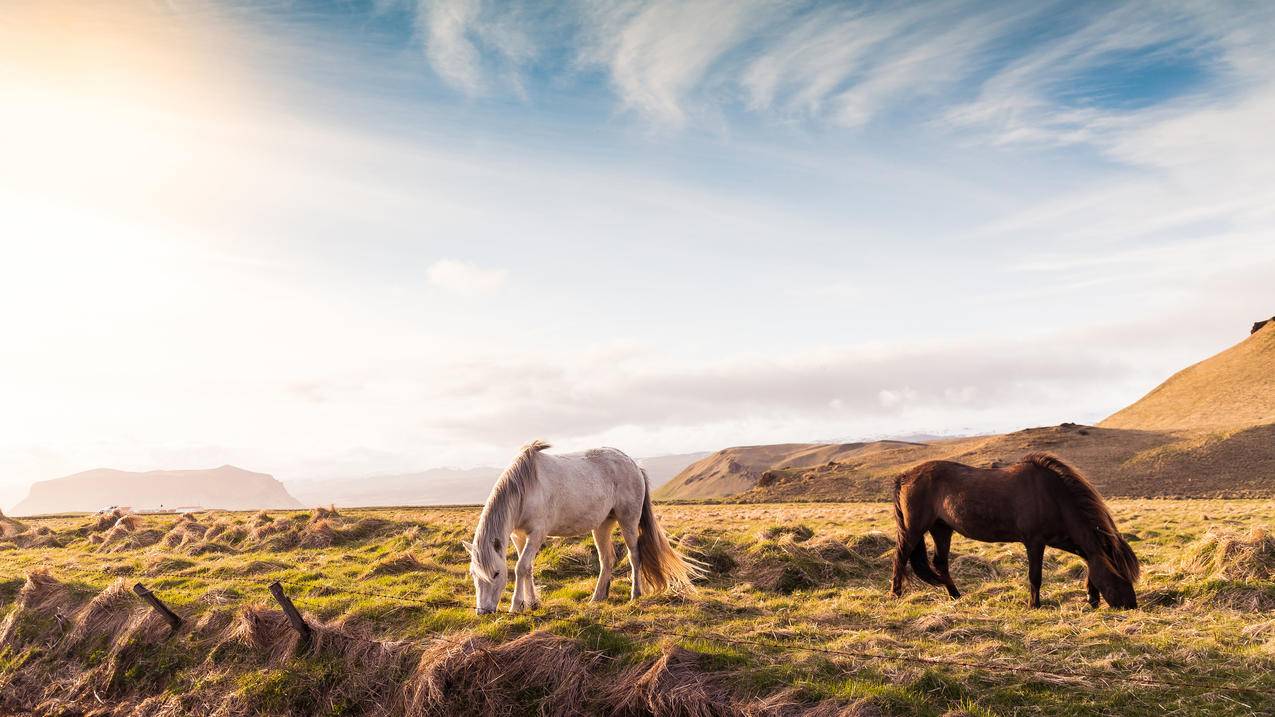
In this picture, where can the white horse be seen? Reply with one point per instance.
(541, 495)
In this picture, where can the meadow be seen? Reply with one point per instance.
(794, 619)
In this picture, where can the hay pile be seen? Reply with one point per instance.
(786, 566)
(112, 655)
(185, 534)
(1231, 555)
(124, 535)
(717, 555)
(873, 545)
(397, 565)
(10, 528)
(798, 532)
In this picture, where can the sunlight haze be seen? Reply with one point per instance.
(332, 240)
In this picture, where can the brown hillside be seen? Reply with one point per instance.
(1130, 463)
(1233, 388)
(1121, 462)
(734, 470)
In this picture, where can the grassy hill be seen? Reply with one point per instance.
(1233, 388)
(1209, 431)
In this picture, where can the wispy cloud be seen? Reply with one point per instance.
(657, 53)
(1015, 74)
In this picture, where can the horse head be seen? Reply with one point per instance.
(490, 572)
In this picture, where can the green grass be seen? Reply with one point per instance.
(777, 585)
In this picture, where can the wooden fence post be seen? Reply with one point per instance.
(174, 620)
(294, 617)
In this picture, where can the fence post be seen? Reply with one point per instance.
(294, 617)
(174, 620)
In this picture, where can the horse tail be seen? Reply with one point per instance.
(1104, 540)
(660, 566)
(918, 558)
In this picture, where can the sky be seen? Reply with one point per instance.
(347, 238)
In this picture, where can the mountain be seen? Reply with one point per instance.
(1235, 388)
(1208, 431)
(734, 470)
(225, 487)
(436, 486)
(661, 469)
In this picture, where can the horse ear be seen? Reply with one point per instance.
(469, 547)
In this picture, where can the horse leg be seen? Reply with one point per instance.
(524, 575)
(606, 559)
(1035, 561)
(942, 534)
(1090, 587)
(904, 552)
(629, 531)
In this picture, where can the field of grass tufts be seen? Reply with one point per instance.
(389, 597)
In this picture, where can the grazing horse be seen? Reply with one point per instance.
(541, 495)
(1040, 502)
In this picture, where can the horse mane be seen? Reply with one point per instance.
(1116, 552)
(498, 512)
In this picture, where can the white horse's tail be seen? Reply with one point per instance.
(661, 567)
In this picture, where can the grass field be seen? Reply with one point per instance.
(785, 575)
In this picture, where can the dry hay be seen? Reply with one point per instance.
(122, 537)
(264, 527)
(9, 527)
(397, 565)
(318, 533)
(104, 615)
(265, 631)
(41, 597)
(184, 534)
(565, 560)
(973, 567)
(798, 532)
(130, 521)
(41, 537)
(535, 673)
(475, 676)
(790, 703)
(371, 671)
(717, 556)
(872, 545)
(226, 533)
(785, 566)
(1232, 556)
(322, 513)
(673, 684)
(103, 521)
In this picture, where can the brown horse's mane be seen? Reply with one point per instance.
(1116, 553)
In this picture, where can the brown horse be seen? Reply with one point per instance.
(1040, 502)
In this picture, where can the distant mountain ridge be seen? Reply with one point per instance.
(442, 486)
(225, 487)
(435, 486)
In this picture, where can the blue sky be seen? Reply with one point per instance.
(345, 238)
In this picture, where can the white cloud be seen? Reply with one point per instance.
(659, 52)
(452, 53)
(463, 278)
